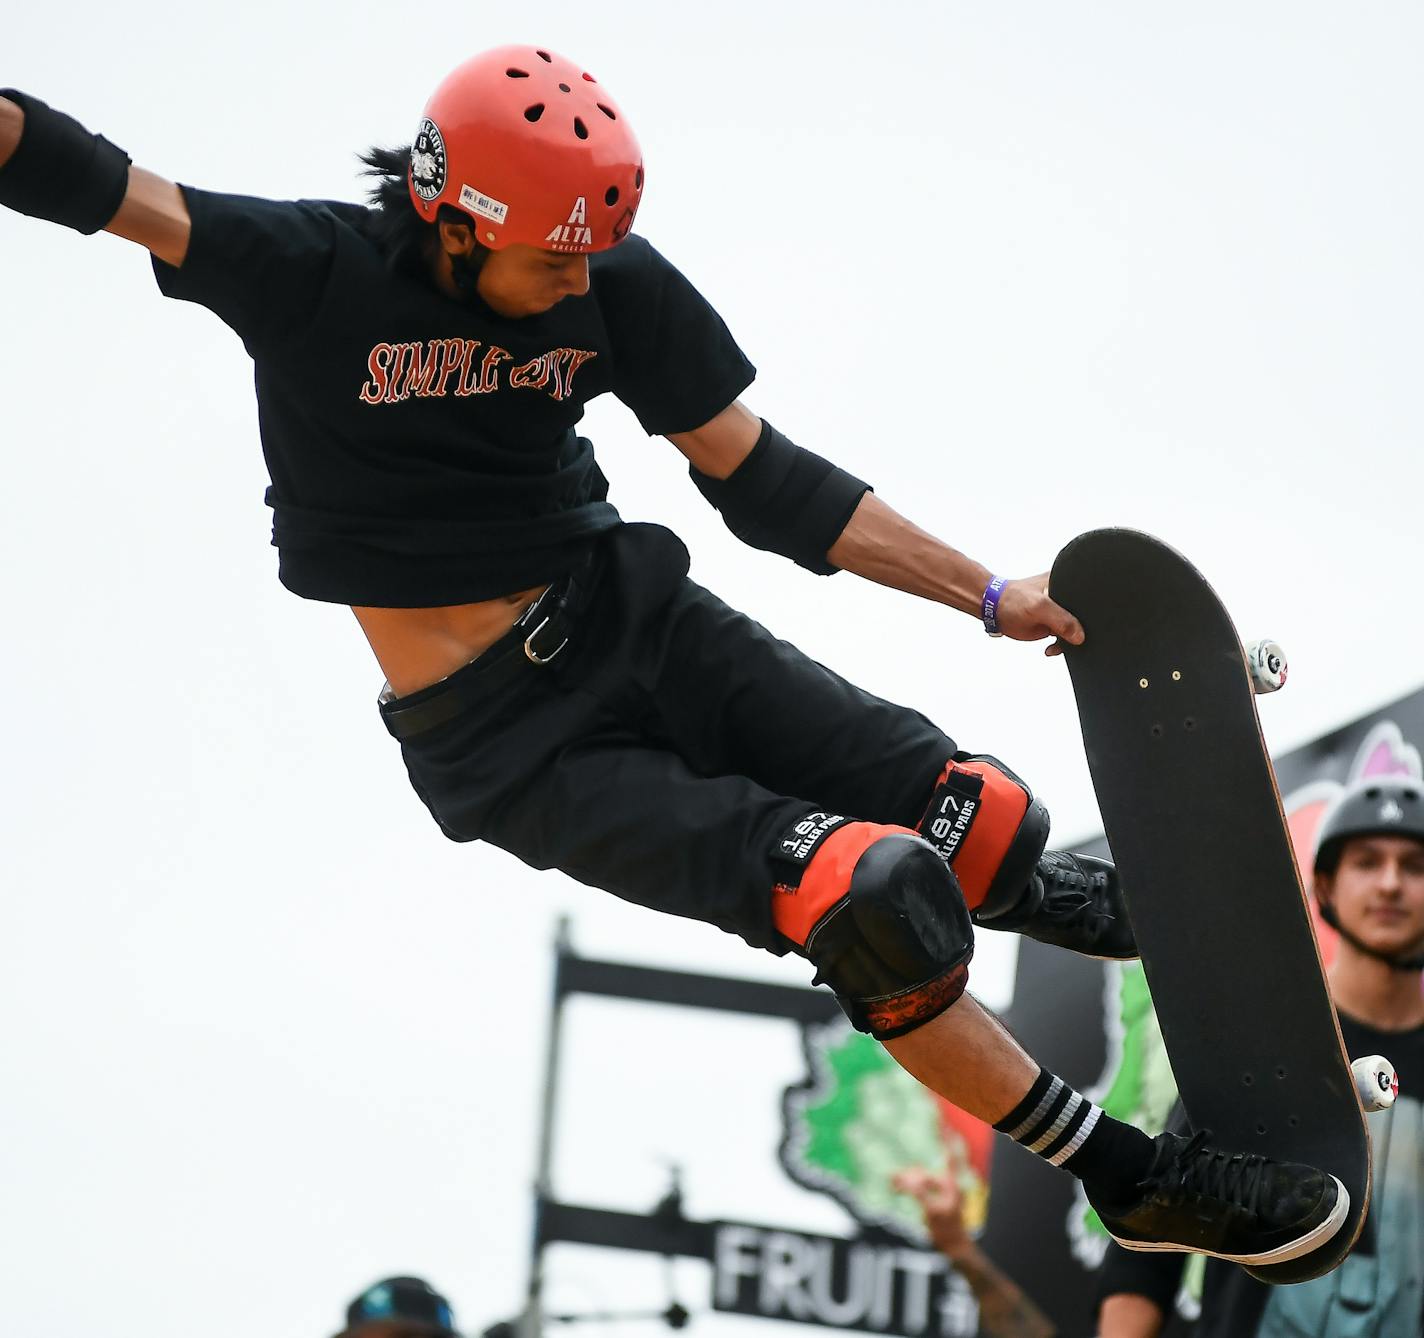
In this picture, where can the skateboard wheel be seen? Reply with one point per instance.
(1268, 666)
(1376, 1082)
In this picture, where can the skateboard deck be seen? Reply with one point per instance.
(1193, 817)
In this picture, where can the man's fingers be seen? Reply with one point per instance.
(913, 1180)
(1036, 615)
(1066, 627)
(954, 1159)
(935, 1192)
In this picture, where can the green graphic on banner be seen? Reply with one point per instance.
(856, 1120)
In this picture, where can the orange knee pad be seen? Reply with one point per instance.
(986, 825)
(879, 913)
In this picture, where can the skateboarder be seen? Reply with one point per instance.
(1369, 881)
(558, 686)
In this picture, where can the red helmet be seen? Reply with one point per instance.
(532, 149)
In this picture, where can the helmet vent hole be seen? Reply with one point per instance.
(564, 88)
(545, 57)
(517, 74)
(610, 196)
(535, 112)
(580, 129)
(608, 112)
(638, 179)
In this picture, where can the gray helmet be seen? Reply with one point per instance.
(1379, 806)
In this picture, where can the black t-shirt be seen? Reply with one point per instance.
(1234, 1304)
(422, 450)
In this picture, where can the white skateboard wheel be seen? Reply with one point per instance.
(1268, 666)
(1376, 1082)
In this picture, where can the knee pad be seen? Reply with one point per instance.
(986, 825)
(879, 913)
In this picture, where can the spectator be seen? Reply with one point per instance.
(399, 1308)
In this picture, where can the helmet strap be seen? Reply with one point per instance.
(1412, 963)
(465, 273)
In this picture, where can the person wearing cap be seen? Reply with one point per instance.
(1369, 885)
(399, 1308)
(557, 684)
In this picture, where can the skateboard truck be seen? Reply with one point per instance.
(1376, 1082)
(1267, 662)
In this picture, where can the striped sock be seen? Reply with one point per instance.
(1066, 1129)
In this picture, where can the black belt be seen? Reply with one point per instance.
(537, 638)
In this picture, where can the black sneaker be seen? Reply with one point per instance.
(1074, 902)
(1244, 1208)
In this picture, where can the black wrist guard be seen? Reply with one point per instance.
(784, 499)
(60, 171)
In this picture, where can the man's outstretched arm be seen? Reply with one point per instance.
(881, 545)
(876, 542)
(40, 146)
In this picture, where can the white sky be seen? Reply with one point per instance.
(1030, 268)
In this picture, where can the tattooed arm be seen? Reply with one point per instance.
(1004, 1310)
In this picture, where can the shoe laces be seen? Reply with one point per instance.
(1204, 1171)
(1067, 887)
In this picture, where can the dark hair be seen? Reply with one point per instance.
(403, 236)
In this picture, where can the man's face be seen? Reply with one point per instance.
(524, 280)
(1378, 891)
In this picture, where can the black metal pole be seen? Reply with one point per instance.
(531, 1322)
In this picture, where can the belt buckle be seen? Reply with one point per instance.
(533, 655)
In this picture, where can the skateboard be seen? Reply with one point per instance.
(1166, 699)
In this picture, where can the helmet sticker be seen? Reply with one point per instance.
(427, 161)
(575, 235)
(477, 202)
(569, 237)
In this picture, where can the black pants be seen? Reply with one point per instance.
(666, 750)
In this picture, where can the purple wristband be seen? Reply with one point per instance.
(990, 609)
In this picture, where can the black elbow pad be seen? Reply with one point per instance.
(61, 172)
(785, 499)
